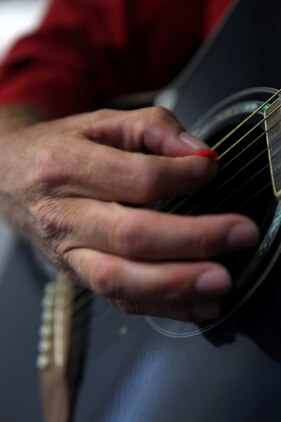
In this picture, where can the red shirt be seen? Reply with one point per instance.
(86, 51)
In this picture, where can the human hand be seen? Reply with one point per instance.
(65, 183)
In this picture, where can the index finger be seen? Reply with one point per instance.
(115, 175)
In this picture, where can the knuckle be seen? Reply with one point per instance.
(103, 279)
(48, 168)
(159, 113)
(46, 217)
(69, 264)
(127, 238)
(157, 123)
(50, 224)
(174, 284)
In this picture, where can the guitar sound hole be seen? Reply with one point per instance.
(243, 186)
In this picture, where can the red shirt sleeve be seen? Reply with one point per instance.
(50, 68)
(86, 51)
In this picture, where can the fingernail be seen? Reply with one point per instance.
(206, 311)
(194, 143)
(216, 282)
(243, 235)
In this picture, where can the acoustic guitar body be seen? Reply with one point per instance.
(154, 370)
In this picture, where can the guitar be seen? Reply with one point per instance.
(149, 369)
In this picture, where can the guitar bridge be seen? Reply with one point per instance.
(272, 116)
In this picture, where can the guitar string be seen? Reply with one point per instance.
(248, 146)
(111, 310)
(82, 303)
(79, 306)
(184, 201)
(108, 312)
(248, 118)
(213, 193)
(236, 156)
(237, 190)
(266, 166)
(250, 131)
(241, 124)
(253, 196)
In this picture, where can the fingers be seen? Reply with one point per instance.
(140, 178)
(152, 129)
(110, 174)
(180, 290)
(149, 235)
(108, 170)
